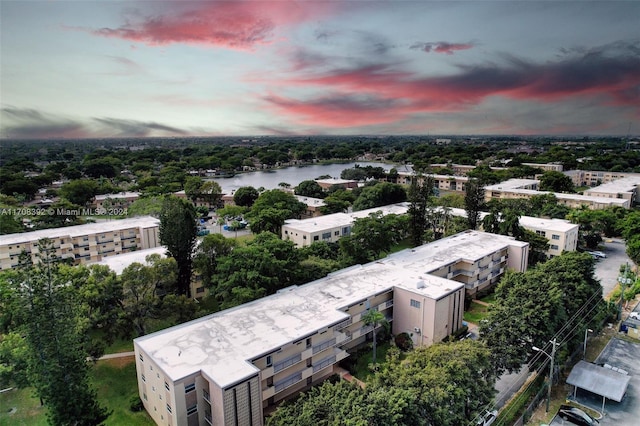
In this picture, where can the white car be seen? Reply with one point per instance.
(488, 418)
(598, 254)
(635, 315)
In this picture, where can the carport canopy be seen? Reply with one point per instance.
(602, 381)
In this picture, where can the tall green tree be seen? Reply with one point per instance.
(556, 182)
(57, 365)
(532, 306)
(473, 202)
(271, 209)
(310, 188)
(178, 232)
(211, 248)
(452, 382)
(343, 403)
(79, 191)
(245, 196)
(262, 267)
(374, 318)
(419, 195)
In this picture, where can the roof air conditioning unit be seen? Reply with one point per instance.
(416, 330)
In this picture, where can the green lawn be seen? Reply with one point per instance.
(115, 381)
(362, 370)
(475, 313)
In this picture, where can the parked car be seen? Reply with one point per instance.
(488, 418)
(576, 416)
(635, 315)
(598, 254)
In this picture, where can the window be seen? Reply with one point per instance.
(326, 235)
(168, 408)
(309, 342)
(554, 247)
(200, 290)
(304, 237)
(269, 361)
(144, 395)
(555, 237)
(144, 379)
(192, 409)
(415, 304)
(337, 233)
(166, 386)
(541, 233)
(315, 238)
(190, 388)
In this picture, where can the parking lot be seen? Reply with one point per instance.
(622, 354)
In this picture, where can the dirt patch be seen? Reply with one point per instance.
(118, 362)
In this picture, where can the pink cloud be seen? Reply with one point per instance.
(239, 25)
(442, 47)
(608, 76)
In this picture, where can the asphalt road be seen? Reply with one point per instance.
(607, 269)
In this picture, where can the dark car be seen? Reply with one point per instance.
(576, 416)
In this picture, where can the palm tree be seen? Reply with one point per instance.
(375, 318)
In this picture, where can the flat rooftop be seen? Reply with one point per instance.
(310, 201)
(627, 184)
(336, 220)
(117, 195)
(80, 230)
(559, 225)
(512, 184)
(335, 181)
(119, 262)
(223, 344)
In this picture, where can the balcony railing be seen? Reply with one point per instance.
(207, 418)
(324, 345)
(205, 395)
(279, 366)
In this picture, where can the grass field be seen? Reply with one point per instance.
(362, 370)
(115, 381)
(475, 313)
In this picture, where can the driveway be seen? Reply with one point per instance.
(607, 269)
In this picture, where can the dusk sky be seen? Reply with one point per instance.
(129, 69)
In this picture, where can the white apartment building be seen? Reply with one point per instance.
(527, 188)
(625, 188)
(118, 264)
(442, 182)
(226, 368)
(330, 228)
(597, 177)
(120, 200)
(561, 234)
(547, 167)
(313, 205)
(84, 243)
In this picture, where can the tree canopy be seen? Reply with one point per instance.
(533, 305)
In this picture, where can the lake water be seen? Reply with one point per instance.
(291, 175)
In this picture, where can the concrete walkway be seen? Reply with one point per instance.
(113, 356)
(344, 374)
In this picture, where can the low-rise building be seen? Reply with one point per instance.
(330, 228)
(226, 368)
(441, 182)
(527, 188)
(121, 200)
(343, 183)
(119, 263)
(314, 206)
(83, 243)
(625, 188)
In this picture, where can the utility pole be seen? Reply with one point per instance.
(551, 357)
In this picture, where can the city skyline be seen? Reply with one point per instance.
(204, 68)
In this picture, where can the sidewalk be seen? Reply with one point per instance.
(113, 356)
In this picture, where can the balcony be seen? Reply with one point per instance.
(342, 337)
(205, 396)
(207, 418)
(324, 345)
(343, 324)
